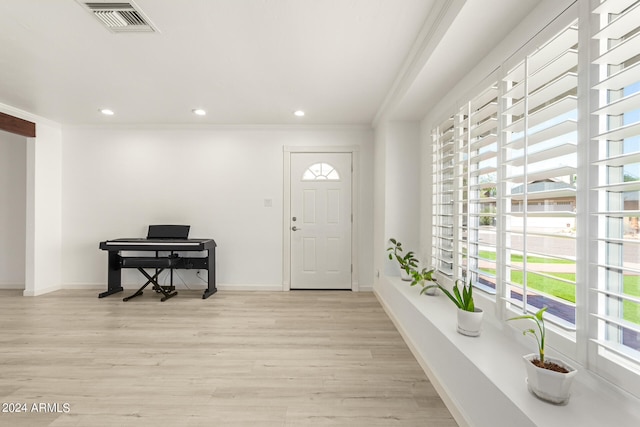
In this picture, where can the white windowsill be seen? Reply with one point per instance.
(482, 380)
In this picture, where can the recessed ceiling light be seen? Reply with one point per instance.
(106, 111)
(298, 113)
(199, 112)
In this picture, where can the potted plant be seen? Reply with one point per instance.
(548, 378)
(408, 262)
(421, 278)
(469, 316)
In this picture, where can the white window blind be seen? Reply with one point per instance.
(539, 113)
(461, 193)
(443, 196)
(483, 146)
(616, 163)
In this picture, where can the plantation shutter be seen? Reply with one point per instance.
(461, 193)
(443, 208)
(615, 154)
(483, 150)
(539, 114)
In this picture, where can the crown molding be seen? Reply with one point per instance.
(433, 29)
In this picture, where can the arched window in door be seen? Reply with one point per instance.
(321, 172)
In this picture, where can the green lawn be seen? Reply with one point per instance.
(518, 258)
(565, 291)
(632, 309)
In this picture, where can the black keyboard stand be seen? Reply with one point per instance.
(116, 263)
(156, 286)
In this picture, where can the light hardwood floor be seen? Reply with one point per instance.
(236, 359)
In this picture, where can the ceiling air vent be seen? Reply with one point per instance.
(120, 17)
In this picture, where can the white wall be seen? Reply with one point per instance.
(43, 216)
(379, 202)
(398, 162)
(118, 181)
(13, 206)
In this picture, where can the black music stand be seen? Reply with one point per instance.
(168, 232)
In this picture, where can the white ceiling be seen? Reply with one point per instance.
(244, 61)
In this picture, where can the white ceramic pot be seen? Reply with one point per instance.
(405, 276)
(550, 386)
(470, 322)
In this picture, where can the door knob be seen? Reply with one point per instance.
(294, 228)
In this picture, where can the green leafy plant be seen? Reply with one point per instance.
(420, 277)
(408, 262)
(463, 300)
(539, 334)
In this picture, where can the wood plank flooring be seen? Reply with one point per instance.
(299, 358)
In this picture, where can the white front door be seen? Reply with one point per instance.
(320, 220)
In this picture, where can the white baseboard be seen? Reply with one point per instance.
(37, 292)
(242, 287)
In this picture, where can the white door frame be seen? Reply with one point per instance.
(286, 209)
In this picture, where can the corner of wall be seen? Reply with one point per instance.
(43, 258)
